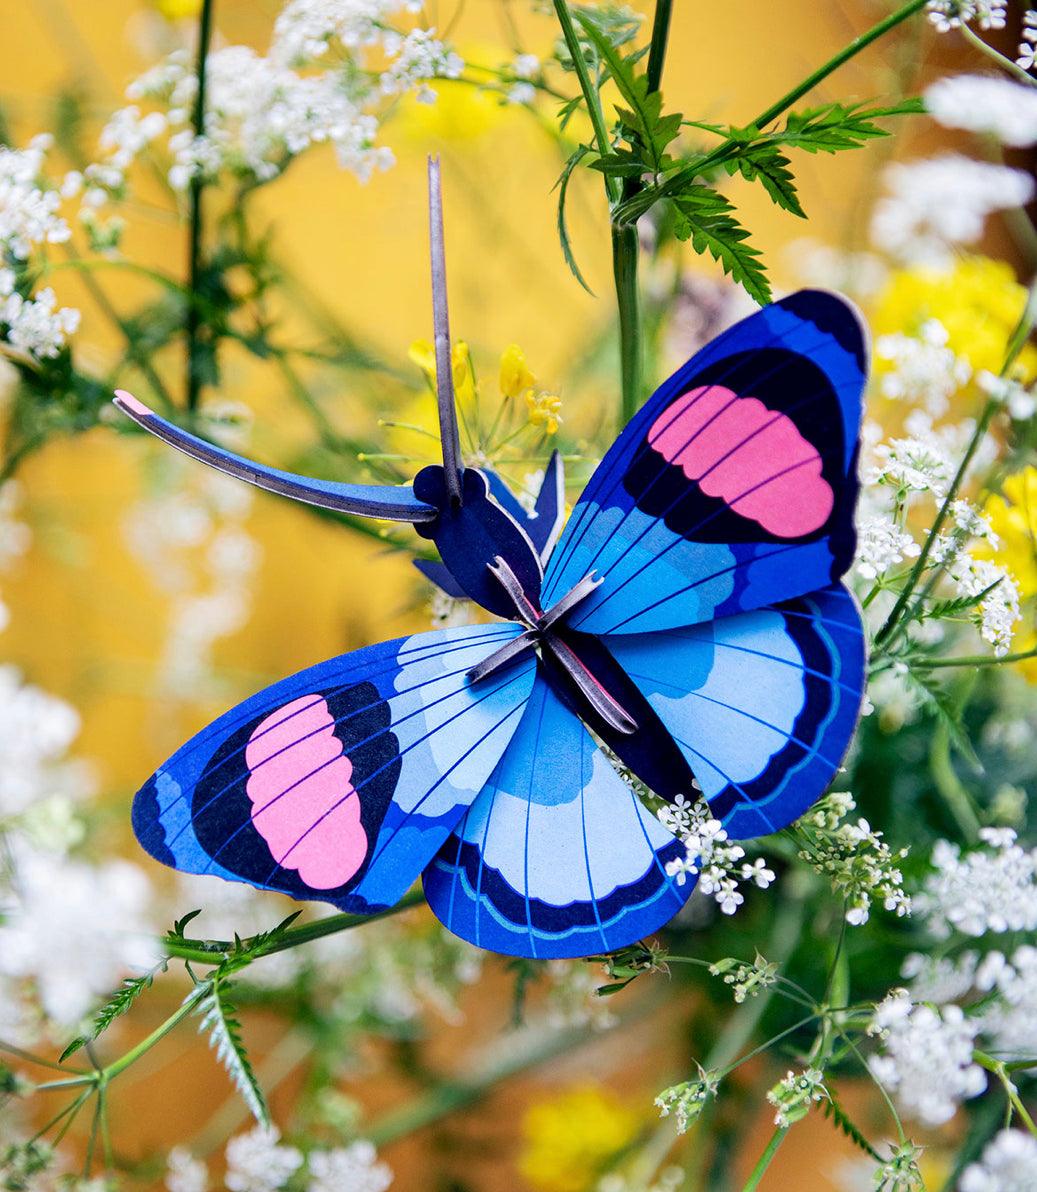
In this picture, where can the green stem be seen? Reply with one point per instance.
(777, 1138)
(657, 50)
(972, 660)
(1004, 62)
(213, 951)
(193, 319)
(123, 1062)
(893, 620)
(998, 1069)
(624, 268)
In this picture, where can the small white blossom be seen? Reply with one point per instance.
(1020, 402)
(521, 93)
(998, 611)
(354, 1168)
(1008, 1164)
(37, 325)
(990, 889)
(940, 202)
(28, 210)
(882, 544)
(526, 66)
(793, 1095)
(951, 14)
(709, 854)
(185, 1173)
(257, 1162)
(924, 371)
(686, 1101)
(926, 1057)
(1028, 46)
(985, 104)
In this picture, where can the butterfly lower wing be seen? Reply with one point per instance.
(340, 783)
(734, 487)
(557, 856)
(762, 705)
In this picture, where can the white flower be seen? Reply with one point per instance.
(951, 14)
(940, 979)
(526, 66)
(709, 854)
(881, 544)
(985, 104)
(257, 1162)
(305, 29)
(521, 93)
(924, 372)
(926, 1059)
(1020, 402)
(354, 1168)
(76, 930)
(985, 890)
(998, 611)
(185, 1173)
(942, 201)
(28, 211)
(36, 325)
(1008, 1164)
(420, 56)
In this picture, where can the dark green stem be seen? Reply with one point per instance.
(213, 951)
(657, 50)
(624, 269)
(194, 258)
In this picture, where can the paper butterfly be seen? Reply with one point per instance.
(689, 619)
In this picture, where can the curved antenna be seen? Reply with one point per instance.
(448, 434)
(362, 500)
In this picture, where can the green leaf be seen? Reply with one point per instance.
(563, 232)
(220, 1021)
(938, 701)
(115, 1007)
(705, 218)
(960, 604)
(834, 127)
(842, 1120)
(767, 164)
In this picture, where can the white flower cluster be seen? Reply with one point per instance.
(853, 857)
(1018, 400)
(15, 537)
(1008, 1164)
(882, 544)
(952, 14)
(709, 854)
(35, 326)
(75, 929)
(314, 86)
(926, 1057)
(259, 1162)
(998, 611)
(942, 201)
(793, 1095)
(1027, 53)
(1009, 1022)
(923, 370)
(688, 1099)
(746, 980)
(194, 541)
(911, 465)
(986, 104)
(992, 889)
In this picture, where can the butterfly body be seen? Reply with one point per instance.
(688, 626)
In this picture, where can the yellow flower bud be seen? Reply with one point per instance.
(515, 377)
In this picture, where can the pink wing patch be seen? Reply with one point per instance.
(303, 801)
(755, 459)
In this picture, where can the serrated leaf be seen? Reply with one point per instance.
(705, 218)
(768, 165)
(842, 1120)
(115, 1007)
(220, 1022)
(834, 127)
(959, 604)
(563, 231)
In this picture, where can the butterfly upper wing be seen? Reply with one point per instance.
(557, 856)
(734, 487)
(340, 783)
(762, 704)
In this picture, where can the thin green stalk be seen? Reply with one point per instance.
(187, 1007)
(758, 1172)
(657, 50)
(972, 660)
(213, 951)
(1002, 60)
(998, 1069)
(625, 249)
(194, 258)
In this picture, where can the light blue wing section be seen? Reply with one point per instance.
(341, 782)
(762, 705)
(557, 856)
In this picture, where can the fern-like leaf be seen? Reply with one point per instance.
(220, 1022)
(705, 218)
(118, 1004)
(939, 702)
(842, 1121)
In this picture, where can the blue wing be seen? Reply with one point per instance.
(364, 500)
(341, 782)
(557, 856)
(734, 487)
(762, 704)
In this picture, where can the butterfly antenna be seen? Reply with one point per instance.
(441, 327)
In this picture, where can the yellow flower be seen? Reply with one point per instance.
(515, 377)
(570, 1138)
(977, 300)
(1013, 518)
(544, 410)
(423, 354)
(178, 10)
